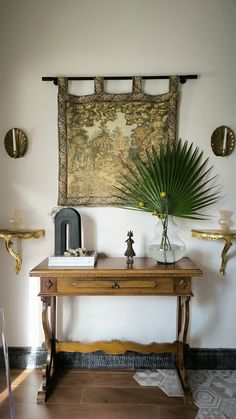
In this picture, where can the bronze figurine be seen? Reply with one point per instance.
(130, 253)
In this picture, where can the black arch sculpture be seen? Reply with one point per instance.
(64, 217)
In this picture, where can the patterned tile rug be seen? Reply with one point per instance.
(214, 392)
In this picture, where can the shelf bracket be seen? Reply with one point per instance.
(227, 235)
(8, 235)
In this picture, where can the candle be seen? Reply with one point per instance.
(16, 219)
(224, 140)
(14, 141)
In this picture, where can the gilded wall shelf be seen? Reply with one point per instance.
(227, 235)
(7, 235)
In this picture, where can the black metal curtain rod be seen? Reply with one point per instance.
(182, 78)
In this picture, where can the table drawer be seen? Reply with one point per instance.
(111, 286)
(115, 286)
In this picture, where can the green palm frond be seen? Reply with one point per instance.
(178, 170)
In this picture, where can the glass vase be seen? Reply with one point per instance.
(166, 246)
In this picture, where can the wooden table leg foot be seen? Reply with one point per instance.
(41, 396)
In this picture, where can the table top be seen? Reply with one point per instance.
(116, 266)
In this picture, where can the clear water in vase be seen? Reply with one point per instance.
(166, 256)
(176, 247)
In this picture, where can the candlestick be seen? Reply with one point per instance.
(225, 219)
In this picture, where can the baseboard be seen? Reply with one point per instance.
(195, 358)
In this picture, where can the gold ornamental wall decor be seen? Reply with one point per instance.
(99, 134)
(16, 143)
(227, 235)
(222, 141)
(9, 234)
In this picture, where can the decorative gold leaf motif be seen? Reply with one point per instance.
(16, 143)
(222, 141)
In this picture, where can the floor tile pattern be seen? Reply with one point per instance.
(214, 392)
(167, 380)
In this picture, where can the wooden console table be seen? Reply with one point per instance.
(111, 276)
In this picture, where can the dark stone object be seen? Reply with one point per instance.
(64, 217)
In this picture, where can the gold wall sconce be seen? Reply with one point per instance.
(16, 143)
(8, 235)
(222, 141)
(227, 235)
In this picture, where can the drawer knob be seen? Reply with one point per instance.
(182, 283)
(75, 283)
(115, 286)
(156, 284)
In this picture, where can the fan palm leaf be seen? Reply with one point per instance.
(178, 170)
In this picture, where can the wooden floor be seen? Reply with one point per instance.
(92, 394)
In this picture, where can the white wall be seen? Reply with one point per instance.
(108, 37)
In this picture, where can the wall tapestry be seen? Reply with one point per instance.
(101, 132)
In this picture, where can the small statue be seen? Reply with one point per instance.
(130, 253)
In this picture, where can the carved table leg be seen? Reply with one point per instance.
(49, 328)
(179, 317)
(182, 331)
